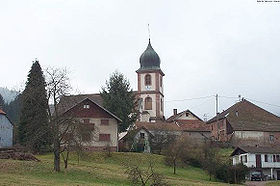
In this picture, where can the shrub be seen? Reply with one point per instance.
(237, 173)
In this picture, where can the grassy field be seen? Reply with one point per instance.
(94, 169)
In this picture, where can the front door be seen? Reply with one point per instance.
(258, 161)
(278, 175)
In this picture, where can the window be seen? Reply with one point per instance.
(104, 137)
(271, 137)
(265, 158)
(148, 103)
(269, 158)
(104, 122)
(277, 158)
(187, 114)
(160, 81)
(161, 105)
(244, 159)
(148, 79)
(86, 120)
(86, 106)
(142, 135)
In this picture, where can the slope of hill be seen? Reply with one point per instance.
(95, 169)
(8, 95)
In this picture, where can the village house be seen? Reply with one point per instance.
(89, 110)
(6, 130)
(265, 160)
(245, 123)
(183, 124)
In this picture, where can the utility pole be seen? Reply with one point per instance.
(217, 115)
(217, 104)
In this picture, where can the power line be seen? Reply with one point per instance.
(188, 99)
(263, 102)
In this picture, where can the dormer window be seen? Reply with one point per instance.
(148, 80)
(86, 106)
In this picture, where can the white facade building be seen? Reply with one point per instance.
(262, 159)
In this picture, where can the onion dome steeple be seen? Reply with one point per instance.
(149, 60)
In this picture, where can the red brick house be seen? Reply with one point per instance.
(245, 123)
(88, 108)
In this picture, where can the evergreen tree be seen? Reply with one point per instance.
(2, 102)
(33, 130)
(13, 109)
(119, 99)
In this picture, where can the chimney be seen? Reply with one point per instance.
(174, 112)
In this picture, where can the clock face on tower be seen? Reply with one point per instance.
(148, 87)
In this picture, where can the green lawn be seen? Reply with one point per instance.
(95, 169)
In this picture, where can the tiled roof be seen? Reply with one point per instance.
(258, 149)
(67, 102)
(194, 125)
(174, 117)
(164, 126)
(247, 116)
(174, 126)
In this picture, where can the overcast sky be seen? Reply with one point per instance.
(206, 47)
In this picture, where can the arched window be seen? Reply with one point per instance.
(148, 79)
(148, 103)
(160, 81)
(161, 105)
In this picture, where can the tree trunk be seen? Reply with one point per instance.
(56, 155)
(66, 160)
(174, 166)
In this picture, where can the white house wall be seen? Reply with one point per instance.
(6, 132)
(251, 161)
(111, 128)
(153, 81)
(249, 134)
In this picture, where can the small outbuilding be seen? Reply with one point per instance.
(6, 130)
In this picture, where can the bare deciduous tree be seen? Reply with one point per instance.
(176, 150)
(161, 140)
(68, 132)
(138, 175)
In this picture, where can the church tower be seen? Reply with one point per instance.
(150, 86)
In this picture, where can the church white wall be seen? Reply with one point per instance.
(153, 85)
(153, 111)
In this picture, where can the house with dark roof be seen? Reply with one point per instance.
(246, 123)
(184, 123)
(6, 130)
(265, 160)
(89, 110)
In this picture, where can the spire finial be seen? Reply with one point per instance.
(149, 32)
